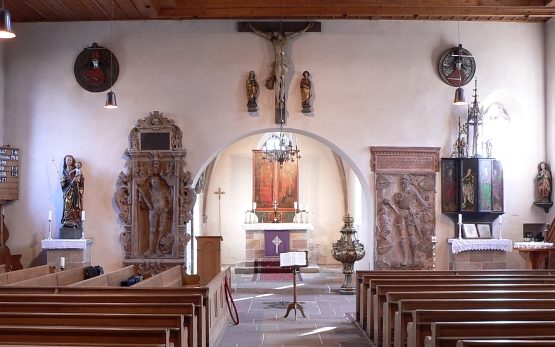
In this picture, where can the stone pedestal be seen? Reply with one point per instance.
(77, 252)
(71, 233)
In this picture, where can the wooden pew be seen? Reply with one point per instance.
(446, 334)
(375, 311)
(217, 313)
(393, 294)
(406, 307)
(184, 309)
(63, 335)
(506, 342)
(193, 323)
(110, 279)
(420, 327)
(168, 321)
(61, 278)
(365, 275)
(370, 282)
(172, 277)
(25, 274)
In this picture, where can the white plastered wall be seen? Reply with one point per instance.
(375, 84)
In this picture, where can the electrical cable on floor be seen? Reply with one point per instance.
(234, 315)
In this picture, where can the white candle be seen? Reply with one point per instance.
(254, 205)
(50, 215)
(306, 208)
(62, 262)
(295, 205)
(83, 215)
(460, 218)
(501, 219)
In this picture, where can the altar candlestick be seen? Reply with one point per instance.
(460, 218)
(83, 215)
(50, 215)
(62, 262)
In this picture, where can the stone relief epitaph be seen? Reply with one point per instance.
(405, 206)
(154, 196)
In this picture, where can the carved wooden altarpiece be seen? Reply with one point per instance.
(405, 206)
(154, 196)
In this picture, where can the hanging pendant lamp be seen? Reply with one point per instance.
(459, 97)
(111, 100)
(5, 24)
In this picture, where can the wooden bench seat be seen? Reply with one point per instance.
(375, 308)
(420, 326)
(446, 334)
(177, 323)
(362, 278)
(61, 278)
(25, 274)
(61, 334)
(197, 334)
(392, 297)
(110, 279)
(407, 307)
(506, 342)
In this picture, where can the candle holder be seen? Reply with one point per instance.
(82, 230)
(460, 230)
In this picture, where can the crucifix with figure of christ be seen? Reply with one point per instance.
(220, 192)
(279, 33)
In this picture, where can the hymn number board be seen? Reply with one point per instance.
(9, 173)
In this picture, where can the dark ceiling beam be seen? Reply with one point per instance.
(356, 12)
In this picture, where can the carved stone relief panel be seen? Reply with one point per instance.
(154, 197)
(405, 206)
(405, 221)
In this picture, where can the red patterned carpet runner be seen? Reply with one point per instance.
(269, 265)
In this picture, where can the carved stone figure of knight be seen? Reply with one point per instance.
(154, 197)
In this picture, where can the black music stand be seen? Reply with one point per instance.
(294, 260)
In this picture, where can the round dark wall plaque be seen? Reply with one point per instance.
(457, 66)
(93, 68)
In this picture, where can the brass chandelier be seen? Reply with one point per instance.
(280, 148)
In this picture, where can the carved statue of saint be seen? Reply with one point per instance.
(543, 182)
(306, 92)
(159, 204)
(73, 186)
(252, 92)
(280, 66)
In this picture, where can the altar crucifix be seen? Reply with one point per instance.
(278, 33)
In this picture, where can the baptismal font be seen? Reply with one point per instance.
(348, 250)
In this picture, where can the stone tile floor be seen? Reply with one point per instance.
(262, 305)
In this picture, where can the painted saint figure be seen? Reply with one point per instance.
(306, 92)
(280, 66)
(543, 182)
(252, 92)
(73, 187)
(468, 187)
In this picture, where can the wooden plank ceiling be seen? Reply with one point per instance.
(100, 10)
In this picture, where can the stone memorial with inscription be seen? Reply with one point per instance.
(154, 196)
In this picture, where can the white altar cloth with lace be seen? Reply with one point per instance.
(462, 245)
